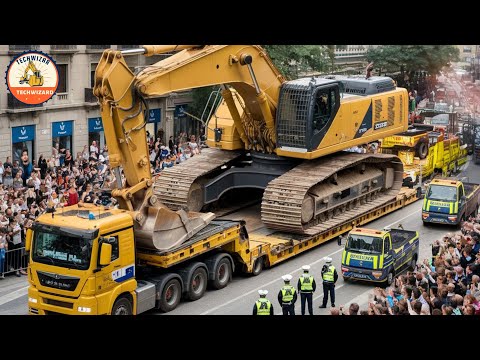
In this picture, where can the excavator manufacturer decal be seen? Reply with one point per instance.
(366, 123)
(32, 77)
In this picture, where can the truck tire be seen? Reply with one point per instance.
(223, 274)
(413, 262)
(198, 284)
(170, 295)
(422, 150)
(122, 306)
(258, 266)
(390, 278)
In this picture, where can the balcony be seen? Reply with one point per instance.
(16, 49)
(14, 104)
(89, 97)
(63, 49)
(97, 48)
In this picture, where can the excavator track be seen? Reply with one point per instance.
(175, 186)
(319, 194)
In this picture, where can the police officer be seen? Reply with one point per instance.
(263, 306)
(306, 287)
(330, 277)
(287, 296)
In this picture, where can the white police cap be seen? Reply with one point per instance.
(306, 267)
(287, 277)
(328, 260)
(262, 292)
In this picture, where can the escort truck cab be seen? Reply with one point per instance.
(449, 201)
(377, 256)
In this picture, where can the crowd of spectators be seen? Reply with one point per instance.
(30, 187)
(447, 283)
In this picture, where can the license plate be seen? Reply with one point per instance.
(360, 276)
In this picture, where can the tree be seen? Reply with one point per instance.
(411, 58)
(200, 98)
(292, 60)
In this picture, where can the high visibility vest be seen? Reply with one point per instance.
(306, 282)
(287, 293)
(263, 306)
(328, 275)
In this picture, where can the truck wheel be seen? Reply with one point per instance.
(389, 280)
(122, 306)
(198, 284)
(257, 266)
(413, 262)
(171, 294)
(223, 272)
(422, 150)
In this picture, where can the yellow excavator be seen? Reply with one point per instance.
(35, 79)
(292, 133)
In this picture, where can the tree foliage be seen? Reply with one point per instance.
(293, 60)
(411, 58)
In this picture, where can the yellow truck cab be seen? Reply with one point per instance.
(377, 256)
(449, 201)
(87, 262)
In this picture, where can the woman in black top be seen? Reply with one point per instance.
(42, 164)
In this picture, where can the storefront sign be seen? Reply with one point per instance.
(23, 133)
(154, 116)
(95, 124)
(179, 110)
(62, 128)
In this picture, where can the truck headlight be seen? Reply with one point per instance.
(84, 309)
(32, 300)
(424, 216)
(377, 274)
(452, 218)
(344, 269)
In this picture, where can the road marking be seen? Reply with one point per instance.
(264, 285)
(14, 295)
(403, 218)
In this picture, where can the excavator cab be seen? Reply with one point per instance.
(307, 108)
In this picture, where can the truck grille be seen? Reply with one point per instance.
(56, 281)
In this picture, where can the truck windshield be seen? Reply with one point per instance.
(62, 250)
(364, 244)
(443, 193)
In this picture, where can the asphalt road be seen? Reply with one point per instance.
(239, 296)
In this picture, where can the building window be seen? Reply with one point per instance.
(467, 49)
(92, 74)
(62, 78)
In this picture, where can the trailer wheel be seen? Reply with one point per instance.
(170, 295)
(198, 284)
(257, 266)
(223, 273)
(422, 150)
(122, 306)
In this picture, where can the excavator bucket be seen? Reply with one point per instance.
(164, 229)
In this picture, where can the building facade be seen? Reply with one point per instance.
(72, 117)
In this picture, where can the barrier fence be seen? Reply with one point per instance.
(13, 260)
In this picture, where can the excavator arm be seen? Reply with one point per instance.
(35, 79)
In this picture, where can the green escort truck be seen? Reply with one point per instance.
(450, 201)
(378, 256)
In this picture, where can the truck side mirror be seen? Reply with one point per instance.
(28, 239)
(463, 198)
(105, 254)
